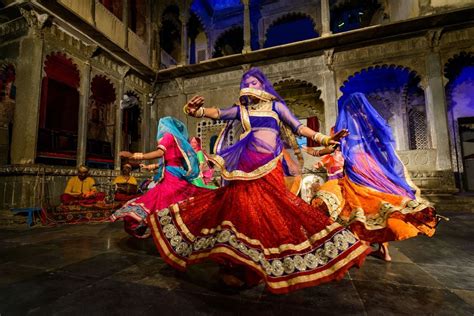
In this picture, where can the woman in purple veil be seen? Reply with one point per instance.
(254, 227)
(374, 196)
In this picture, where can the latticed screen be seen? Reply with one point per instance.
(418, 130)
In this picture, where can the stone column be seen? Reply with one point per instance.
(152, 127)
(145, 126)
(247, 32)
(118, 117)
(125, 17)
(157, 57)
(436, 110)
(28, 81)
(329, 92)
(83, 119)
(325, 18)
(183, 58)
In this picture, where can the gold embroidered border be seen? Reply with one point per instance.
(242, 175)
(254, 242)
(260, 94)
(379, 221)
(272, 268)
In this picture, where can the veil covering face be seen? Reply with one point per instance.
(233, 140)
(190, 169)
(369, 153)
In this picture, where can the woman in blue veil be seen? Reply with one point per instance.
(376, 197)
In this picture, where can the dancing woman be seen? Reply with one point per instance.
(254, 227)
(177, 170)
(371, 192)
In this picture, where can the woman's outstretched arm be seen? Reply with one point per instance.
(195, 108)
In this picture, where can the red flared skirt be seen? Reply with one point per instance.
(259, 225)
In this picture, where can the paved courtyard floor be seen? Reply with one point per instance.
(96, 269)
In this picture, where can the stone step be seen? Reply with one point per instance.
(453, 202)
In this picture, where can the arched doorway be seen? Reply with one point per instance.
(395, 93)
(59, 110)
(282, 31)
(229, 43)
(347, 15)
(304, 100)
(101, 123)
(131, 124)
(197, 40)
(170, 36)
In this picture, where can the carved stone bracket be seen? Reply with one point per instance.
(35, 20)
(433, 37)
(91, 50)
(123, 71)
(329, 58)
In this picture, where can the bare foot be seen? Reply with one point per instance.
(231, 280)
(382, 252)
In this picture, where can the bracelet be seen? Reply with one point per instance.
(186, 109)
(321, 138)
(137, 156)
(197, 114)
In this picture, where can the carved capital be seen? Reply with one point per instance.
(246, 67)
(433, 37)
(329, 58)
(35, 20)
(91, 50)
(123, 71)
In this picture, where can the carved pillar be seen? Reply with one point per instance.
(183, 58)
(157, 56)
(325, 18)
(118, 117)
(247, 32)
(125, 18)
(83, 119)
(145, 110)
(436, 109)
(329, 92)
(28, 79)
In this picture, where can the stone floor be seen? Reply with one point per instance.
(96, 269)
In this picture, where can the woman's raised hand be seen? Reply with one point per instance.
(338, 136)
(193, 105)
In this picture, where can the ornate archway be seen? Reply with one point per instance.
(282, 29)
(59, 111)
(101, 122)
(398, 86)
(304, 100)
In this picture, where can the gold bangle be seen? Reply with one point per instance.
(200, 114)
(137, 156)
(186, 109)
(325, 140)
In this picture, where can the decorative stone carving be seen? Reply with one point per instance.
(13, 27)
(433, 37)
(35, 20)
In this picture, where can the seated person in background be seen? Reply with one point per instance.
(126, 186)
(81, 189)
